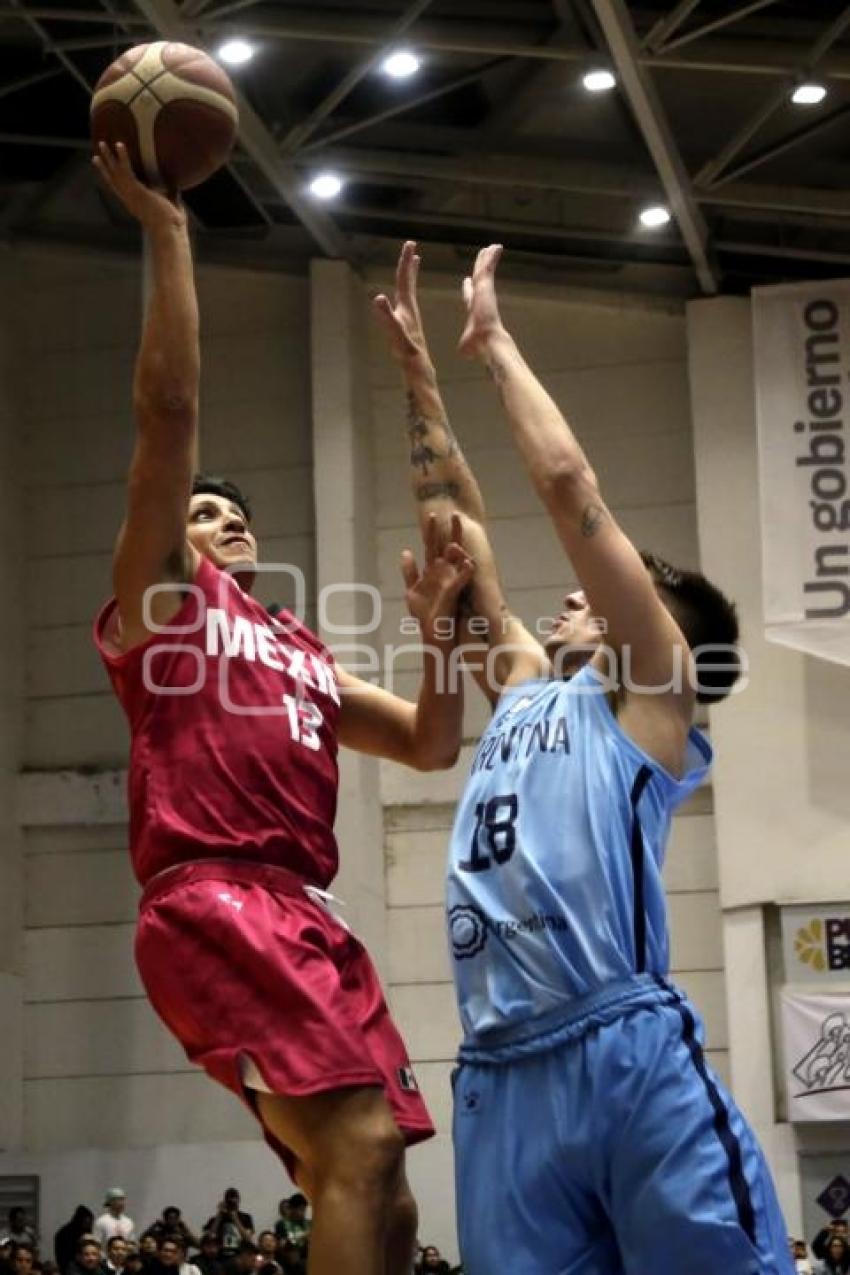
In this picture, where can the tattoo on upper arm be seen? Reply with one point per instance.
(591, 520)
(422, 452)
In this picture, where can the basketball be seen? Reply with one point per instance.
(174, 109)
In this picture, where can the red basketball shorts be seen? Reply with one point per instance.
(242, 966)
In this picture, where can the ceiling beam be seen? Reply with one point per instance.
(711, 171)
(27, 81)
(508, 170)
(783, 144)
(400, 108)
(97, 16)
(475, 230)
(304, 130)
(496, 170)
(657, 134)
(26, 15)
(664, 27)
(773, 58)
(255, 138)
(699, 33)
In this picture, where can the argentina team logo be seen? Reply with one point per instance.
(467, 930)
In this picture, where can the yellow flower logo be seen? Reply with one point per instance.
(808, 944)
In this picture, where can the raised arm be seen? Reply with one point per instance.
(152, 547)
(425, 735)
(442, 483)
(610, 570)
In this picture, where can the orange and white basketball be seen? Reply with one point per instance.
(173, 107)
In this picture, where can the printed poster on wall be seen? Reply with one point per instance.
(801, 339)
(816, 1038)
(816, 942)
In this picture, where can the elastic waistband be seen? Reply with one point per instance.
(570, 1021)
(238, 871)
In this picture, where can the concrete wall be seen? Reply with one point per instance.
(11, 710)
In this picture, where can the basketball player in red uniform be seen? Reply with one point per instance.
(235, 720)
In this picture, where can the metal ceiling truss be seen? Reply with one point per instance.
(639, 89)
(304, 130)
(712, 172)
(284, 165)
(401, 108)
(456, 37)
(726, 20)
(664, 27)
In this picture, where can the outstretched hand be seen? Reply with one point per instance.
(150, 207)
(400, 318)
(432, 594)
(482, 307)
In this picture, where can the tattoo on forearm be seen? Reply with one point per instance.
(591, 520)
(422, 453)
(433, 491)
(497, 370)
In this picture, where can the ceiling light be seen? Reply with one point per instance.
(235, 52)
(655, 215)
(808, 94)
(326, 186)
(401, 64)
(598, 81)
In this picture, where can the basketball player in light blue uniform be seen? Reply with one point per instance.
(591, 1137)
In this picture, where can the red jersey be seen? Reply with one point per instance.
(233, 718)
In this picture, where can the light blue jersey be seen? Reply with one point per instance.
(554, 887)
(582, 1082)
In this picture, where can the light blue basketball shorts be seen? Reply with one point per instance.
(607, 1146)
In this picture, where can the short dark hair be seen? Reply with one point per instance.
(115, 1239)
(707, 618)
(171, 1208)
(85, 1240)
(298, 1199)
(209, 484)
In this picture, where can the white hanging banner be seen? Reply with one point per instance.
(801, 336)
(816, 1033)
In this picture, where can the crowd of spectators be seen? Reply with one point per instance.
(829, 1253)
(228, 1243)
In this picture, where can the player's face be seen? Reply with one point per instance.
(575, 628)
(219, 530)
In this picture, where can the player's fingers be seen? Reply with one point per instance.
(106, 162)
(463, 574)
(122, 160)
(494, 255)
(480, 262)
(432, 539)
(382, 306)
(467, 291)
(385, 315)
(456, 529)
(409, 569)
(405, 266)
